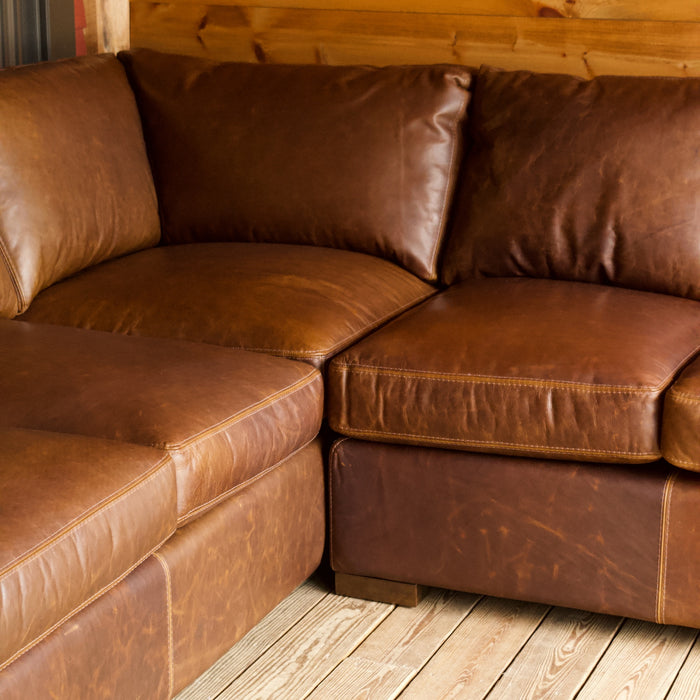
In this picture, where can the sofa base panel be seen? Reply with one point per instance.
(230, 567)
(615, 539)
(173, 616)
(117, 647)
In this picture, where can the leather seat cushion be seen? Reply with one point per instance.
(78, 514)
(225, 416)
(680, 430)
(520, 366)
(303, 302)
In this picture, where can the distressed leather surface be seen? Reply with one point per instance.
(223, 415)
(77, 515)
(583, 536)
(679, 576)
(520, 366)
(343, 156)
(230, 567)
(680, 433)
(75, 183)
(118, 648)
(595, 181)
(303, 302)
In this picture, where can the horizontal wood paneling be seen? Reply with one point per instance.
(585, 47)
(663, 10)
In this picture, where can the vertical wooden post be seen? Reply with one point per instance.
(107, 25)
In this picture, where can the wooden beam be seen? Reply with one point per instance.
(584, 47)
(108, 25)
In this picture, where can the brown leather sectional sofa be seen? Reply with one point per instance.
(496, 276)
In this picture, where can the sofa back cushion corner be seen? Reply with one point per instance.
(349, 157)
(590, 180)
(75, 183)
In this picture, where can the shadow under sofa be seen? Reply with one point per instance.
(511, 432)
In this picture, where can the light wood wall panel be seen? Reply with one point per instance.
(582, 37)
(662, 10)
(107, 25)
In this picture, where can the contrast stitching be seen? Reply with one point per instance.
(21, 301)
(496, 380)
(449, 185)
(209, 504)
(663, 547)
(682, 397)
(680, 364)
(75, 611)
(484, 443)
(336, 445)
(82, 520)
(331, 456)
(681, 462)
(247, 412)
(169, 604)
(280, 351)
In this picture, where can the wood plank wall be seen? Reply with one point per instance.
(582, 37)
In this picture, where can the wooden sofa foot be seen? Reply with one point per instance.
(381, 590)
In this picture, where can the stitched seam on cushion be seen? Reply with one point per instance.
(85, 518)
(209, 504)
(247, 412)
(663, 548)
(682, 397)
(30, 645)
(683, 362)
(507, 380)
(279, 351)
(14, 278)
(331, 456)
(169, 606)
(449, 186)
(689, 398)
(682, 462)
(497, 381)
(484, 443)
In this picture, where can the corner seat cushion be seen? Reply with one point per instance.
(680, 430)
(585, 180)
(75, 182)
(350, 157)
(520, 366)
(301, 302)
(224, 416)
(78, 514)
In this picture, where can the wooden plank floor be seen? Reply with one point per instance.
(318, 645)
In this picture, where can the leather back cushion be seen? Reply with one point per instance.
(75, 183)
(596, 181)
(348, 157)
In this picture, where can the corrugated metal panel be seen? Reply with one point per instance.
(35, 30)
